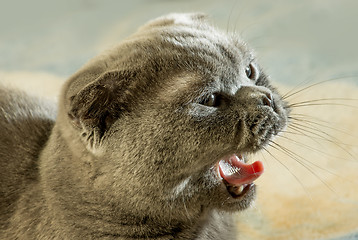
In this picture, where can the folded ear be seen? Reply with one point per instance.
(98, 105)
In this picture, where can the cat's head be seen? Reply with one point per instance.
(169, 115)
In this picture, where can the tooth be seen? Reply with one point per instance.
(239, 189)
(236, 190)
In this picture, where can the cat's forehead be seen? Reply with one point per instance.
(201, 56)
(192, 33)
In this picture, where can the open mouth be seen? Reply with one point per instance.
(237, 175)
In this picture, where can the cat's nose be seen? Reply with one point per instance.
(255, 96)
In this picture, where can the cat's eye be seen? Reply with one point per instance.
(250, 71)
(213, 100)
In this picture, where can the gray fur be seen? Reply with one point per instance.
(133, 150)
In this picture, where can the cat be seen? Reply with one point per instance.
(150, 140)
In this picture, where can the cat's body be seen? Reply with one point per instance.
(143, 143)
(25, 124)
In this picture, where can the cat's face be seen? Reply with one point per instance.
(163, 109)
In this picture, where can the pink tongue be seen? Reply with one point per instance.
(235, 172)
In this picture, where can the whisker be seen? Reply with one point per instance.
(230, 15)
(242, 9)
(285, 96)
(263, 156)
(300, 133)
(323, 100)
(311, 148)
(299, 85)
(289, 170)
(299, 159)
(319, 132)
(328, 104)
(310, 117)
(314, 164)
(318, 123)
(292, 126)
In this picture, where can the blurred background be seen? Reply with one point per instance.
(294, 39)
(309, 196)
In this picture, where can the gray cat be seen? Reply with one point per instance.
(150, 140)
